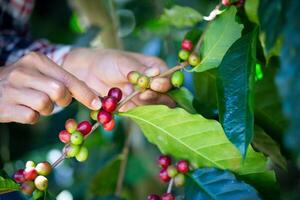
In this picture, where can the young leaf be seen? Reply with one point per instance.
(235, 91)
(251, 9)
(180, 16)
(211, 183)
(264, 143)
(199, 140)
(8, 185)
(219, 36)
(184, 98)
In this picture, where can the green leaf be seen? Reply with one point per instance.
(105, 180)
(8, 185)
(251, 8)
(235, 91)
(211, 183)
(219, 36)
(184, 98)
(199, 140)
(264, 143)
(180, 16)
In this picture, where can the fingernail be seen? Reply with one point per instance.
(96, 104)
(152, 71)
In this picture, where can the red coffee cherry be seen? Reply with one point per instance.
(109, 104)
(182, 166)
(43, 168)
(64, 136)
(167, 196)
(164, 176)
(19, 176)
(104, 117)
(27, 187)
(226, 2)
(71, 125)
(110, 125)
(164, 161)
(30, 173)
(116, 93)
(187, 45)
(84, 127)
(153, 197)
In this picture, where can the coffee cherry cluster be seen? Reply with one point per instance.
(33, 178)
(186, 54)
(139, 80)
(168, 172)
(73, 136)
(109, 105)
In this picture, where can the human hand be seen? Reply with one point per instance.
(30, 87)
(102, 69)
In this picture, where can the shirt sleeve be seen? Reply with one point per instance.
(15, 40)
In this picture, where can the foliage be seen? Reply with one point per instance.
(8, 185)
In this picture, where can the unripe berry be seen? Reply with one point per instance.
(30, 173)
(177, 79)
(27, 187)
(116, 93)
(109, 104)
(143, 82)
(94, 114)
(84, 127)
(64, 136)
(164, 161)
(104, 117)
(71, 125)
(82, 154)
(133, 77)
(153, 197)
(194, 60)
(72, 150)
(167, 196)
(172, 171)
(37, 194)
(187, 45)
(19, 176)
(29, 164)
(77, 138)
(41, 183)
(163, 175)
(110, 125)
(182, 166)
(179, 180)
(43, 168)
(183, 54)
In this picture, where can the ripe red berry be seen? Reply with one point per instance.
(116, 93)
(27, 187)
(19, 176)
(226, 2)
(109, 104)
(110, 125)
(71, 125)
(164, 161)
(64, 136)
(84, 127)
(153, 197)
(167, 196)
(164, 176)
(104, 117)
(30, 173)
(187, 45)
(43, 168)
(182, 166)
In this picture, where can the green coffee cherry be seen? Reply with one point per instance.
(83, 154)
(76, 138)
(72, 150)
(94, 114)
(179, 180)
(37, 194)
(177, 79)
(172, 171)
(30, 164)
(194, 60)
(183, 54)
(133, 77)
(41, 183)
(144, 82)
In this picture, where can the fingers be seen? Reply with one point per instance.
(150, 97)
(18, 113)
(150, 61)
(161, 85)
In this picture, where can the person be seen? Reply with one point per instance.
(36, 75)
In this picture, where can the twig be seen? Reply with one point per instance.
(174, 69)
(170, 186)
(128, 98)
(59, 160)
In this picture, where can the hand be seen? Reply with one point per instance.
(102, 69)
(30, 87)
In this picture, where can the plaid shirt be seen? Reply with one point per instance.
(14, 38)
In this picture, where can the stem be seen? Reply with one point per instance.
(128, 98)
(170, 186)
(58, 161)
(174, 69)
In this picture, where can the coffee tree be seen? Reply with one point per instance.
(221, 143)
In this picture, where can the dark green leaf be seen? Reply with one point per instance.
(184, 98)
(235, 91)
(8, 185)
(193, 35)
(211, 183)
